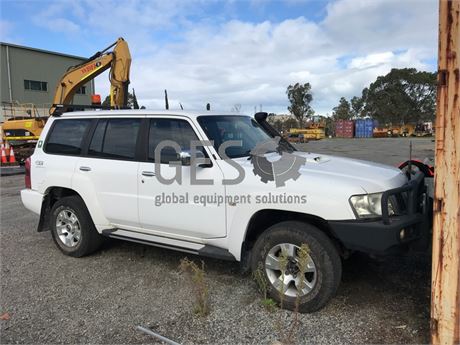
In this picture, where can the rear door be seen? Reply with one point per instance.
(55, 158)
(176, 210)
(107, 175)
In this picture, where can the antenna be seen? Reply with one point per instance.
(166, 100)
(181, 107)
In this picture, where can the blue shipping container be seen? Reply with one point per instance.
(364, 128)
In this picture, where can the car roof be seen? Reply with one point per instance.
(131, 112)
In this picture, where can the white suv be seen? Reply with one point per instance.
(140, 176)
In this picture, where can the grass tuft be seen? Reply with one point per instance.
(198, 284)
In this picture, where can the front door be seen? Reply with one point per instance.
(180, 210)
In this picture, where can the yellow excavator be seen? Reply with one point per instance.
(23, 130)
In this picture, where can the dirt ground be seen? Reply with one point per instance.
(52, 298)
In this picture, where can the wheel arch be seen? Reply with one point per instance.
(51, 195)
(263, 219)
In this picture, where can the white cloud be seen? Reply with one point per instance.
(6, 31)
(253, 63)
(52, 18)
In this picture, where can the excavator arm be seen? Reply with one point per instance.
(119, 62)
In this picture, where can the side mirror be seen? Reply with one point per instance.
(200, 155)
(184, 157)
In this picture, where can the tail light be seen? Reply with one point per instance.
(27, 180)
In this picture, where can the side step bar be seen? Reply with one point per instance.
(169, 243)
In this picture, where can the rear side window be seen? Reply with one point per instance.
(115, 138)
(66, 136)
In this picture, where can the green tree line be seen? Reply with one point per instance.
(399, 97)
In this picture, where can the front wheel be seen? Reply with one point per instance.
(300, 264)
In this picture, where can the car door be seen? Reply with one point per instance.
(179, 209)
(107, 174)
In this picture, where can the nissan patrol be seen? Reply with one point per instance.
(219, 185)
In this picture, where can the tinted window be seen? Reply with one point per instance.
(66, 136)
(241, 128)
(178, 131)
(115, 138)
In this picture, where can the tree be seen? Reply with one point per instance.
(278, 125)
(342, 111)
(357, 106)
(290, 123)
(300, 97)
(402, 96)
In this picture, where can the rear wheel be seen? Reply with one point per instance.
(72, 228)
(307, 279)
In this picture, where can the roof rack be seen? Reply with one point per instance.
(64, 108)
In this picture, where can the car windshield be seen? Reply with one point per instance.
(220, 129)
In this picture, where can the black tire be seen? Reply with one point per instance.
(321, 250)
(89, 239)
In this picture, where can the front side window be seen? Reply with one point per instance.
(66, 136)
(179, 131)
(241, 128)
(115, 138)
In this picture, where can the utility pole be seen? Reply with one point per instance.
(445, 281)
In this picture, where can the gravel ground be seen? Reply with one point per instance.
(52, 298)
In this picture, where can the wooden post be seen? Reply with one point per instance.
(445, 294)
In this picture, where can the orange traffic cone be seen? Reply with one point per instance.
(12, 158)
(7, 148)
(4, 155)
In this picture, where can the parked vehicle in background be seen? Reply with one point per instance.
(94, 175)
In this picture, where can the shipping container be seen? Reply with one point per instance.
(364, 128)
(344, 129)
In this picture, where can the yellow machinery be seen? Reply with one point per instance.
(314, 129)
(23, 128)
(119, 60)
(23, 122)
(309, 133)
(380, 132)
(407, 130)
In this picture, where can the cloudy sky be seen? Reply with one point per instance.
(230, 52)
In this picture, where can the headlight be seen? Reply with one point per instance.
(370, 205)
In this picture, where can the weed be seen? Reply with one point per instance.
(283, 260)
(261, 280)
(269, 304)
(198, 283)
(303, 258)
(302, 263)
